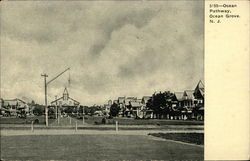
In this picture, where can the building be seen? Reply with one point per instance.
(145, 99)
(13, 107)
(65, 100)
(199, 94)
(190, 103)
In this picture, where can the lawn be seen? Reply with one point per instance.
(27, 120)
(95, 147)
(132, 121)
(194, 138)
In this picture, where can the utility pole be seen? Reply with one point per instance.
(46, 108)
(56, 106)
(45, 86)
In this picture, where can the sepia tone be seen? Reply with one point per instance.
(102, 80)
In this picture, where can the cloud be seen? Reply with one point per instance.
(113, 48)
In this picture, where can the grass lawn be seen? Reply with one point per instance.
(27, 120)
(95, 147)
(132, 121)
(195, 138)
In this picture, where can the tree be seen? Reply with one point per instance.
(114, 110)
(161, 103)
(51, 111)
(38, 110)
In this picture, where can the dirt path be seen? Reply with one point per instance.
(83, 132)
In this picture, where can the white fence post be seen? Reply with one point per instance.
(70, 120)
(58, 120)
(116, 126)
(32, 126)
(83, 120)
(76, 126)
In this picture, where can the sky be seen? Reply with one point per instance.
(113, 48)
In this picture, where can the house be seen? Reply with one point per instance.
(145, 99)
(199, 94)
(1, 103)
(121, 100)
(188, 99)
(110, 102)
(107, 108)
(147, 113)
(136, 108)
(115, 101)
(121, 104)
(180, 102)
(192, 102)
(14, 106)
(178, 99)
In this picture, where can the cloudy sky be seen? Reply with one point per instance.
(113, 48)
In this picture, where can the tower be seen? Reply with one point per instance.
(65, 94)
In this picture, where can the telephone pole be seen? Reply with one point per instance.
(46, 107)
(56, 107)
(45, 87)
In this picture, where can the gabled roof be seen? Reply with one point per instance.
(121, 99)
(74, 100)
(189, 94)
(61, 98)
(200, 88)
(179, 95)
(13, 102)
(57, 100)
(65, 92)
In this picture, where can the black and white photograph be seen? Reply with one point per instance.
(102, 80)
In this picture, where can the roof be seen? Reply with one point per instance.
(146, 98)
(74, 100)
(189, 94)
(200, 88)
(57, 100)
(131, 98)
(139, 100)
(179, 95)
(13, 102)
(62, 98)
(202, 108)
(121, 99)
(127, 103)
(65, 92)
(135, 104)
